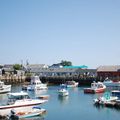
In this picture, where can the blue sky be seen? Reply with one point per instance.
(48, 31)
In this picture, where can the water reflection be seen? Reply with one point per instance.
(63, 100)
(34, 118)
(3, 98)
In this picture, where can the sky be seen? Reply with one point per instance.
(85, 32)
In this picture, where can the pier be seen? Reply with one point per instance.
(63, 79)
(12, 79)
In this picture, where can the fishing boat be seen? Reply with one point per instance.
(19, 101)
(111, 83)
(34, 111)
(44, 97)
(36, 84)
(4, 88)
(63, 91)
(106, 98)
(116, 93)
(96, 87)
(71, 84)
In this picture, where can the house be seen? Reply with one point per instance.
(33, 67)
(8, 69)
(56, 66)
(110, 71)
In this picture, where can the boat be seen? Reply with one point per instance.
(19, 101)
(63, 91)
(96, 87)
(34, 111)
(105, 99)
(44, 97)
(36, 84)
(4, 88)
(71, 84)
(116, 93)
(110, 83)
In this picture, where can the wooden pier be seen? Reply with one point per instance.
(62, 79)
(12, 79)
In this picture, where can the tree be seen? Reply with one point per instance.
(66, 63)
(17, 67)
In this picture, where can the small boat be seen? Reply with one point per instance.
(36, 84)
(35, 111)
(71, 84)
(44, 97)
(63, 91)
(4, 88)
(19, 101)
(116, 93)
(106, 98)
(109, 83)
(96, 87)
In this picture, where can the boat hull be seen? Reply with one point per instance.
(74, 85)
(5, 89)
(89, 90)
(63, 92)
(30, 113)
(4, 110)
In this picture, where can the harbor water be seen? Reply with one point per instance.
(76, 106)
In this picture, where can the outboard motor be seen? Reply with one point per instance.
(13, 116)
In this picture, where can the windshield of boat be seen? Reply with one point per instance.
(18, 97)
(1, 84)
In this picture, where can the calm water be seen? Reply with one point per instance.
(78, 106)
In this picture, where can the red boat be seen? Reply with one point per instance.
(98, 87)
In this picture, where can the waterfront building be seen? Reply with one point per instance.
(32, 67)
(71, 72)
(56, 66)
(110, 71)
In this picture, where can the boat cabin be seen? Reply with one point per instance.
(96, 85)
(17, 96)
(35, 80)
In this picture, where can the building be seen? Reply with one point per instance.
(56, 66)
(111, 71)
(64, 72)
(34, 67)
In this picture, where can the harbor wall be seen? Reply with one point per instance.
(51, 80)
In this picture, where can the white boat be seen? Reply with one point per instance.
(36, 84)
(19, 101)
(4, 88)
(96, 87)
(34, 111)
(63, 92)
(116, 93)
(109, 83)
(106, 98)
(71, 84)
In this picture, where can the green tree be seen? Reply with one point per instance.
(17, 67)
(66, 63)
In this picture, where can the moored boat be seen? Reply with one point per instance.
(96, 87)
(36, 84)
(111, 83)
(4, 88)
(34, 111)
(44, 97)
(106, 98)
(116, 93)
(19, 101)
(71, 84)
(63, 91)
